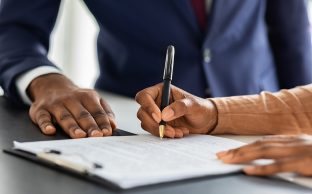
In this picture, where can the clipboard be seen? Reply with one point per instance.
(76, 172)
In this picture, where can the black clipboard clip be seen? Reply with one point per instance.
(52, 156)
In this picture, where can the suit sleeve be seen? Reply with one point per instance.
(290, 39)
(25, 28)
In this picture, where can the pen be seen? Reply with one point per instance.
(166, 88)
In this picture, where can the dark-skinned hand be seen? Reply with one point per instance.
(291, 154)
(185, 114)
(80, 112)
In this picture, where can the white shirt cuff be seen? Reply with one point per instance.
(22, 81)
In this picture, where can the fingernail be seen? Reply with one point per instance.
(105, 132)
(157, 119)
(169, 134)
(166, 115)
(249, 168)
(96, 133)
(49, 128)
(79, 131)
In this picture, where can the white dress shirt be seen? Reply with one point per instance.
(22, 81)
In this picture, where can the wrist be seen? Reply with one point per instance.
(49, 82)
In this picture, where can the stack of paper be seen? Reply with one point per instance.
(132, 161)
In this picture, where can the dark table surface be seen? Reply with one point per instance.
(19, 175)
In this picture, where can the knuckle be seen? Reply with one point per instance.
(58, 101)
(239, 153)
(104, 125)
(42, 115)
(98, 113)
(149, 109)
(83, 114)
(73, 125)
(140, 96)
(234, 151)
(110, 113)
(55, 105)
(137, 96)
(87, 93)
(65, 116)
(65, 99)
(139, 114)
(181, 106)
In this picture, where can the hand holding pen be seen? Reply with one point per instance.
(185, 114)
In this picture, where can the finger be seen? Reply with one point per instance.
(185, 131)
(178, 133)
(177, 109)
(221, 154)
(43, 119)
(146, 128)
(244, 148)
(99, 115)
(277, 167)
(84, 119)
(169, 131)
(66, 120)
(146, 98)
(110, 113)
(262, 142)
(147, 122)
(266, 151)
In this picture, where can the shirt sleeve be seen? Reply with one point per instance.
(24, 79)
(287, 112)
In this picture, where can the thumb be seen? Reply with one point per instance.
(178, 109)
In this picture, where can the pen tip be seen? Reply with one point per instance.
(161, 131)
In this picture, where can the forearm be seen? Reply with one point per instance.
(284, 112)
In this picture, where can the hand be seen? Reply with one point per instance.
(80, 112)
(185, 114)
(291, 154)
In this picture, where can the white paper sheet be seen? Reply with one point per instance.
(131, 161)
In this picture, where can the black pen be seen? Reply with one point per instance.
(166, 88)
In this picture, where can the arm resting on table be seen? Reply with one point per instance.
(284, 112)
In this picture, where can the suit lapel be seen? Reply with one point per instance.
(186, 11)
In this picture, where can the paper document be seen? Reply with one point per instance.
(131, 161)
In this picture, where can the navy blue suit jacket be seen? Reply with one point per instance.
(254, 45)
